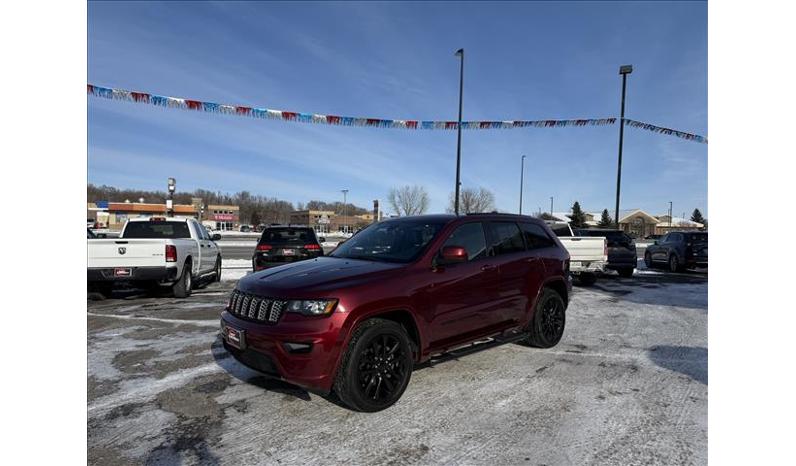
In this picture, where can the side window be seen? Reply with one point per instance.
(506, 238)
(535, 236)
(664, 239)
(470, 236)
(203, 230)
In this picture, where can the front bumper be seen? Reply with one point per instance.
(108, 274)
(302, 351)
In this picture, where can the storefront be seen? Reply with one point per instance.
(225, 217)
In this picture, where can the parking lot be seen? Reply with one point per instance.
(626, 385)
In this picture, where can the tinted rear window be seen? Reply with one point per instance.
(613, 237)
(158, 229)
(698, 237)
(287, 235)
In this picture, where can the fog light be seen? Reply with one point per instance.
(297, 347)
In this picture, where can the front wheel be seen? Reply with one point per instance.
(218, 270)
(674, 264)
(547, 325)
(376, 367)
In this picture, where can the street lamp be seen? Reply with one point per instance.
(459, 53)
(170, 199)
(345, 208)
(624, 70)
(522, 172)
(551, 206)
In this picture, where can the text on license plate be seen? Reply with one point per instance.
(122, 272)
(234, 337)
(288, 252)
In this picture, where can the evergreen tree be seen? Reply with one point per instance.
(578, 218)
(605, 220)
(697, 216)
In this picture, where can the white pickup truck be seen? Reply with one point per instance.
(155, 251)
(588, 256)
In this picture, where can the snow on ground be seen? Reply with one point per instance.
(235, 269)
(627, 384)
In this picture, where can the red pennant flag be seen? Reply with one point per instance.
(194, 104)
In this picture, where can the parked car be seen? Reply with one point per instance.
(588, 257)
(622, 255)
(282, 244)
(399, 291)
(157, 251)
(245, 228)
(679, 250)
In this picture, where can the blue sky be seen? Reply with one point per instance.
(530, 60)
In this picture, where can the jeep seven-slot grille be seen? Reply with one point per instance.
(265, 310)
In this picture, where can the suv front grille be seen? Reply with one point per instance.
(251, 307)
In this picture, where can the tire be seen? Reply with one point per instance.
(648, 259)
(218, 269)
(99, 292)
(368, 389)
(549, 319)
(183, 287)
(625, 273)
(587, 279)
(674, 264)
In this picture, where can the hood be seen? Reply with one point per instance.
(317, 275)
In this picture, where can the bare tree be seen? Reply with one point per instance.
(408, 200)
(473, 201)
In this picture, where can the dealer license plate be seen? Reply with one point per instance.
(575, 264)
(288, 252)
(235, 337)
(122, 272)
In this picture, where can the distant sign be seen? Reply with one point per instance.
(225, 217)
(101, 204)
(324, 219)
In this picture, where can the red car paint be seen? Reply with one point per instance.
(441, 307)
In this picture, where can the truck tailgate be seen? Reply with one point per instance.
(584, 248)
(104, 253)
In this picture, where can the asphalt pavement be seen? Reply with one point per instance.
(626, 385)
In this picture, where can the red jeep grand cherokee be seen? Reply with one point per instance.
(396, 293)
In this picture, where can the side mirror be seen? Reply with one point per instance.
(321, 239)
(216, 236)
(453, 254)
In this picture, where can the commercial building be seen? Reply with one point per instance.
(113, 215)
(325, 221)
(221, 217)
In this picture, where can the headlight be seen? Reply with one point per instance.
(312, 307)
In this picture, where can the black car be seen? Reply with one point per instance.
(283, 244)
(679, 250)
(621, 250)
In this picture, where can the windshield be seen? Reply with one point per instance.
(393, 241)
(287, 235)
(157, 229)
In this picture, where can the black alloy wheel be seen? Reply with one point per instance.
(376, 367)
(674, 263)
(381, 368)
(547, 325)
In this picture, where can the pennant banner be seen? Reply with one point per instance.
(186, 104)
(662, 130)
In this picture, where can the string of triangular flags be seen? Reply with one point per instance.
(266, 113)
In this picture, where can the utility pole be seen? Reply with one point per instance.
(460, 54)
(345, 209)
(624, 70)
(670, 215)
(522, 172)
(551, 206)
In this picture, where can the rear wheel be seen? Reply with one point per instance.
(182, 289)
(376, 366)
(587, 279)
(547, 326)
(626, 273)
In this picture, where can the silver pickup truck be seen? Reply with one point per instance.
(154, 252)
(588, 256)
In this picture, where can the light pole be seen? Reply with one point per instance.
(670, 215)
(460, 54)
(170, 198)
(624, 70)
(551, 206)
(345, 209)
(522, 172)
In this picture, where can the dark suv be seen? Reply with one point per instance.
(621, 250)
(679, 250)
(281, 244)
(396, 293)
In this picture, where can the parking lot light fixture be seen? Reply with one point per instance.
(172, 186)
(624, 70)
(459, 53)
(345, 209)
